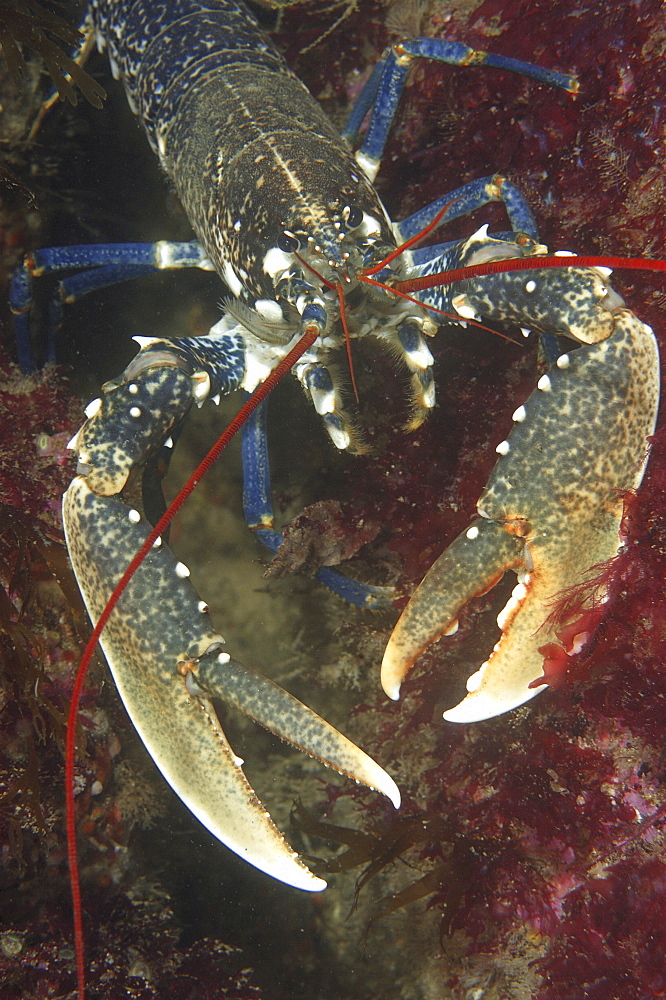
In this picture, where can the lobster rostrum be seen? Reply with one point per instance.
(289, 219)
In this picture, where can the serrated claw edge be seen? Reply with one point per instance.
(152, 642)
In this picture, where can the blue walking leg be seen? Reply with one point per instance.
(469, 197)
(384, 88)
(100, 265)
(259, 516)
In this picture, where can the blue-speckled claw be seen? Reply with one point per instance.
(551, 511)
(168, 661)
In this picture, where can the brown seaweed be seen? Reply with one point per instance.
(27, 23)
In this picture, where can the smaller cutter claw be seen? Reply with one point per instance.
(551, 511)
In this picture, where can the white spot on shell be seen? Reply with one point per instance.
(168, 443)
(472, 533)
(503, 448)
(133, 388)
(474, 682)
(135, 411)
(530, 286)
(223, 658)
(563, 361)
(134, 516)
(201, 382)
(519, 415)
(182, 571)
(463, 307)
(157, 542)
(544, 384)
(202, 606)
(525, 331)
(93, 408)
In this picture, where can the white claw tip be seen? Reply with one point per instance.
(481, 705)
(391, 690)
(391, 791)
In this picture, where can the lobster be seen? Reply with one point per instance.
(289, 219)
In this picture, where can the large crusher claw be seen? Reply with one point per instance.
(168, 663)
(551, 511)
(166, 658)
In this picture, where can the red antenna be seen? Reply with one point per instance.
(527, 264)
(412, 241)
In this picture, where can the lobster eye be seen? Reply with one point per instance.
(354, 216)
(287, 243)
